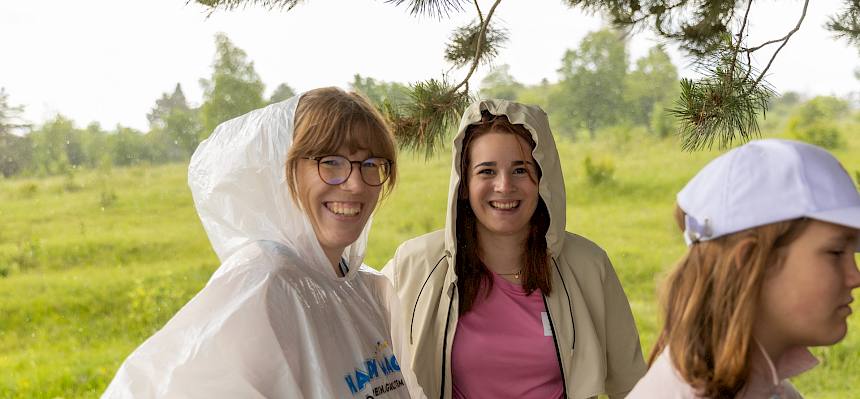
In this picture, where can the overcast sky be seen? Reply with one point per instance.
(109, 60)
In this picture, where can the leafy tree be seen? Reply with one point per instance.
(51, 153)
(816, 121)
(500, 84)
(281, 93)
(591, 88)
(233, 89)
(174, 127)
(95, 146)
(378, 91)
(165, 105)
(128, 146)
(14, 149)
(721, 106)
(649, 88)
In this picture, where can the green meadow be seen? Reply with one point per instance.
(93, 262)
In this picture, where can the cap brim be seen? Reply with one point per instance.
(849, 217)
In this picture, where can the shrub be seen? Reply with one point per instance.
(108, 198)
(28, 190)
(599, 172)
(815, 122)
(823, 134)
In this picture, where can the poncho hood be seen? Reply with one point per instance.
(238, 181)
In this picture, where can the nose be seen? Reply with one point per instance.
(354, 183)
(852, 278)
(504, 183)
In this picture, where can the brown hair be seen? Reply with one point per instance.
(328, 118)
(709, 303)
(472, 273)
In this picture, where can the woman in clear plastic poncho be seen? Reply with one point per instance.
(285, 194)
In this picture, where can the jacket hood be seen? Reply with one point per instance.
(551, 185)
(238, 181)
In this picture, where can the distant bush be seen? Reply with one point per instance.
(662, 124)
(69, 183)
(108, 197)
(824, 134)
(599, 172)
(28, 190)
(815, 122)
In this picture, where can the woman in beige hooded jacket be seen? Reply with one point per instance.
(586, 311)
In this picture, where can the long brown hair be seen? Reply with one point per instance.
(472, 273)
(327, 118)
(709, 303)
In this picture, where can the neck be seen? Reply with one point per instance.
(774, 348)
(502, 254)
(333, 255)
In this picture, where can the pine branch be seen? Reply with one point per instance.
(433, 8)
(846, 25)
(229, 5)
(464, 41)
(479, 45)
(423, 123)
(720, 108)
(784, 42)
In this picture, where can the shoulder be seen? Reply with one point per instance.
(259, 264)
(419, 254)
(417, 259)
(430, 243)
(662, 380)
(580, 247)
(584, 258)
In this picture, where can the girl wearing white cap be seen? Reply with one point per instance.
(285, 194)
(772, 228)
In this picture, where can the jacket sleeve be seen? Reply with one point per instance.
(625, 365)
(226, 342)
(399, 335)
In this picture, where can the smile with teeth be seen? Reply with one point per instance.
(344, 208)
(505, 204)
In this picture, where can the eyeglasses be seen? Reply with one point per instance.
(336, 169)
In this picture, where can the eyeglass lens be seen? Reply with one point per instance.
(335, 169)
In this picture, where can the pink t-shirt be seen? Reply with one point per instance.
(504, 348)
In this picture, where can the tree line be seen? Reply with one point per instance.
(598, 88)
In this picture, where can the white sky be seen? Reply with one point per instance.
(109, 60)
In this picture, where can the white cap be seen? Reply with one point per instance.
(764, 182)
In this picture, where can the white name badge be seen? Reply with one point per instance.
(547, 328)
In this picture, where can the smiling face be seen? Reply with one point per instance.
(337, 213)
(805, 300)
(502, 181)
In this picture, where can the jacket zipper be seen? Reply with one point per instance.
(445, 347)
(555, 343)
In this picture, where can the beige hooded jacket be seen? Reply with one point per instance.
(595, 336)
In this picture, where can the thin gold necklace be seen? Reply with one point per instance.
(516, 275)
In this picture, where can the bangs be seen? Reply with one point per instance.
(328, 119)
(355, 131)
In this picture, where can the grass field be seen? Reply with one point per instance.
(95, 262)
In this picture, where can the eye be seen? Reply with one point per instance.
(486, 172)
(374, 163)
(522, 170)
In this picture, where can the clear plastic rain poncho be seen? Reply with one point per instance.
(274, 321)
